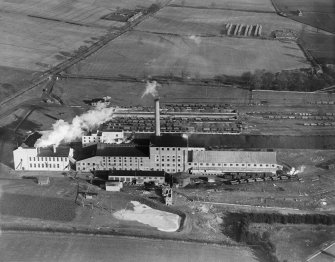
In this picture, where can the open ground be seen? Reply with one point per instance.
(37, 247)
(251, 5)
(144, 54)
(190, 21)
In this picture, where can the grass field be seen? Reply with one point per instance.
(72, 248)
(34, 44)
(259, 5)
(320, 14)
(188, 21)
(143, 54)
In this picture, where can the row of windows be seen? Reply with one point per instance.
(54, 159)
(168, 148)
(167, 164)
(231, 164)
(129, 178)
(45, 165)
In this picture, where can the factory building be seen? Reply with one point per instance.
(28, 158)
(221, 162)
(134, 176)
(108, 137)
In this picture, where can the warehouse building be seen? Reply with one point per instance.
(221, 162)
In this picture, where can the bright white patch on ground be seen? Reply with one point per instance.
(144, 214)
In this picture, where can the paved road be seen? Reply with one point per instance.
(36, 247)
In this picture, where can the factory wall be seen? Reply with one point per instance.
(27, 159)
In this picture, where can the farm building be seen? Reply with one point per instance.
(134, 176)
(113, 186)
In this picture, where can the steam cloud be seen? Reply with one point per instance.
(67, 132)
(294, 171)
(196, 39)
(151, 89)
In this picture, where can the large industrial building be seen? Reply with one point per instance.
(169, 153)
(29, 158)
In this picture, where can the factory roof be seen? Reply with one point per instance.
(136, 173)
(122, 150)
(61, 151)
(168, 141)
(253, 157)
(119, 150)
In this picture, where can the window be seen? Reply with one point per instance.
(237, 164)
(173, 149)
(156, 148)
(34, 165)
(78, 168)
(255, 165)
(168, 149)
(57, 165)
(42, 165)
(178, 148)
(38, 165)
(31, 165)
(29, 158)
(225, 164)
(157, 164)
(231, 164)
(249, 165)
(162, 149)
(162, 164)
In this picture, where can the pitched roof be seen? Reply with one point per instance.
(253, 157)
(168, 141)
(31, 139)
(61, 151)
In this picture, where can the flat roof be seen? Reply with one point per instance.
(136, 173)
(122, 150)
(168, 141)
(252, 157)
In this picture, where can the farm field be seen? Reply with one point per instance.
(83, 13)
(37, 247)
(190, 21)
(12, 80)
(321, 46)
(128, 94)
(320, 14)
(34, 44)
(143, 54)
(250, 5)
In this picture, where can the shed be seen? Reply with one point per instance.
(114, 186)
(43, 180)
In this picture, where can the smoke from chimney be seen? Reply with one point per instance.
(157, 118)
(151, 89)
(63, 131)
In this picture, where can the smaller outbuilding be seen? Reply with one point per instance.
(43, 180)
(114, 186)
(132, 176)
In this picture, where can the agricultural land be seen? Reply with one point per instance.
(274, 67)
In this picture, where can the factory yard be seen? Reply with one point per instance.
(139, 54)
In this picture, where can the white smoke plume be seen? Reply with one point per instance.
(294, 171)
(63, 131)
(196, 39)
(151, 89)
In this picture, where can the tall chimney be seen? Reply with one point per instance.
(157, 118)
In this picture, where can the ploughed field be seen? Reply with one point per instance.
(320, 14)
(34, 44)
(143, 54)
